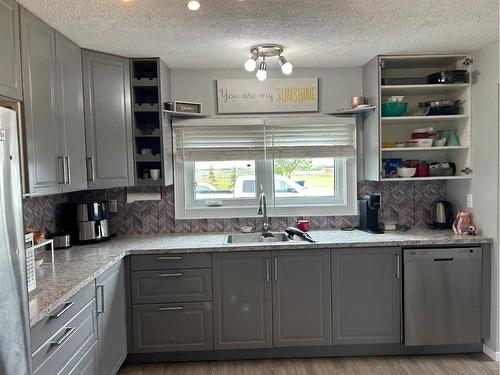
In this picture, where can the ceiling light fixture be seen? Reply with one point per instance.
(267, 50)
(193, 5)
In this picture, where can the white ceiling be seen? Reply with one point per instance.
(315, 33)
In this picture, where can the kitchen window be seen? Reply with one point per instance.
(305, 165)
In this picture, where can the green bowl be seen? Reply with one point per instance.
(394, 109)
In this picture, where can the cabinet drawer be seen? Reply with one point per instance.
(172, 286)
(172, 327)
(87, 364)
(47, 327)
(170, 261)
(77, 335)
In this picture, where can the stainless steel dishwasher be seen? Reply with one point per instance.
(442, 296)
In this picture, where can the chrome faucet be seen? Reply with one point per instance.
(263, 211)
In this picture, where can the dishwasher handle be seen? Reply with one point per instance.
(443, 259)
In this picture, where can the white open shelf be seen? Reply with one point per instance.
(434, 148)
(429, 178)
(429, 89)
(378, 129)
(423, 118)
(182, 114)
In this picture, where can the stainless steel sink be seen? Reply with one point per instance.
(239, 238)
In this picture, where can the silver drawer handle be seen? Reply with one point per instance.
(443, 259)
(68, 169)
(169, 258)
(177, 308)
(90, 169)
(67, 306)
(66, 336)
(170, 274)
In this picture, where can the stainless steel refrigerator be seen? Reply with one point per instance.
(15, 356)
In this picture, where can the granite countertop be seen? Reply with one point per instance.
(76, 267)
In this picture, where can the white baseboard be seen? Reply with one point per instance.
(491, 353)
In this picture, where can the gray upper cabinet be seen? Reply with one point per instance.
(242, 300)
(108, 120)
(111, 320)
(10, 52)
(43, 146)
(301, 298)
(53, 111)
(69, 98)
(366, 295)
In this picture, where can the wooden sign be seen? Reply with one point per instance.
(269, 96)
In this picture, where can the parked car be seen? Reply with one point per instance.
(244, 187)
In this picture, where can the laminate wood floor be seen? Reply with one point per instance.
(466, 364)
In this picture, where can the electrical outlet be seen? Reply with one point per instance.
(113, 206)
(469, 201)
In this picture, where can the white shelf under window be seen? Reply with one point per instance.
(426, 89)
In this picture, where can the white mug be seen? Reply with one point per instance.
(155, 174)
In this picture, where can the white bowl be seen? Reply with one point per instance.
(440, 142)
(406, 172)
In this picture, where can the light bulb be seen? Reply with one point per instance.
(193, 5)
(261, 73)
(251, 63)
(286, 67)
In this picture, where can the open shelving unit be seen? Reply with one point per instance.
(378, 129)
(151, 129)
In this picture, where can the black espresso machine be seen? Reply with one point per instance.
(368, 213)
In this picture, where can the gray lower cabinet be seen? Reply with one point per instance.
(301, 298)
(366, 286)
(69, 99)
(43, 146)
(242, 300)
(172, 327)
(111, 320)
(108, 120)
(60, 352)
(87, 365)
(10, 51)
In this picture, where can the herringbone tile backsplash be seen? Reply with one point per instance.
(404, 202)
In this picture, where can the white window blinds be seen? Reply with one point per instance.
(312, 140)
(212, 143)
(298, 137)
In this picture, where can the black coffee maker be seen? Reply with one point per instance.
(368, 213)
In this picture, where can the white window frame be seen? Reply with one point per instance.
(187, 207)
